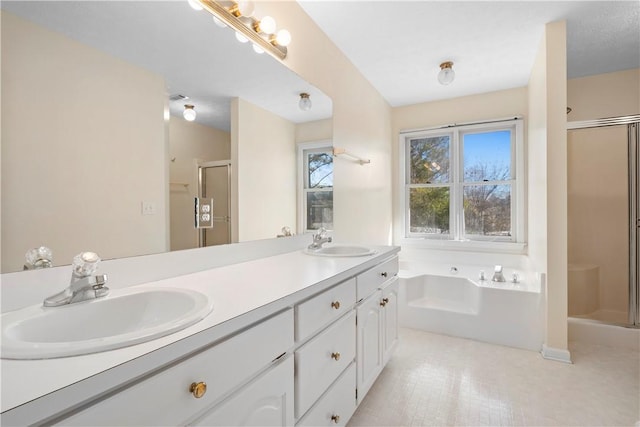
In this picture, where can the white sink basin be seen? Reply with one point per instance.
(122, 318)
(341, 251)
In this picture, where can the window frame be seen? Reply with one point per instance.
(303, 148)
(458, 238)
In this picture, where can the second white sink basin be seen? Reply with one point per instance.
(123, 318)
(341, 251)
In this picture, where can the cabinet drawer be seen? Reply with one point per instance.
(266, 401)
(164, 398)
(337, 405)
(322, 309)
(372, 279)
(321, 360)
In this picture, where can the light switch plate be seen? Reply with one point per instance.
(148, 208)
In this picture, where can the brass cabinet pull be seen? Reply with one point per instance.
(384, 274)
(336, 305)
(385, 300)
(335, 418)
(198, 389)
(336, 356)
(382, 303)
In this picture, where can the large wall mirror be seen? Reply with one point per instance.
(96, 153)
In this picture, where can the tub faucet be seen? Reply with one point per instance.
(83, 285)
(497, 275)
(319, 239)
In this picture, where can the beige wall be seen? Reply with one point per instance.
(78, 128)
(319, 130)
(190, 144)
(604, 95)
(361, 124)
(263, 155)
(548, 180)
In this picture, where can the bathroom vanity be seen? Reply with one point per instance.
(293, 339)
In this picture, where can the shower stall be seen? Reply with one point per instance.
(604, 220)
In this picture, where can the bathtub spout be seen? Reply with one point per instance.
(497, 275)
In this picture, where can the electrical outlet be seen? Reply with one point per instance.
(148, 208)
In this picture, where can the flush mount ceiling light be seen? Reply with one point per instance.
(446, 74)
(305, 102)
(239, 16)
(189, 112)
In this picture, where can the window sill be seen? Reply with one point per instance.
(465, 245)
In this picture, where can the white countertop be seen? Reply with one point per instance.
(242, 294)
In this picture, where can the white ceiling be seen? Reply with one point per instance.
(398, 45)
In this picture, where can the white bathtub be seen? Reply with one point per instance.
(461, 305)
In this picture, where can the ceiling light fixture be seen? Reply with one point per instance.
(261, 32)
(305, 102)
(446, 74)
(195, 4)
(189, 112)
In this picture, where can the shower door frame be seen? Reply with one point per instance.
(633, 141)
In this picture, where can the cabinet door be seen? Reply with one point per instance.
(266, 401)
(389, 319)
(369, 348)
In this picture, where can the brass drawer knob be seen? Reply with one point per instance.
(336, 305)
(336, 356)
(335, 418)
(385, 300)
(382, 303)
(384, 274)
(198, 389)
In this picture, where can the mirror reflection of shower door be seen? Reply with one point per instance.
(214, 182)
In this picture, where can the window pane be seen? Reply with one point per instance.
(429, 160)
(487, 156)
(319, 210)
(487, 210)
(429, 210)
(320, 170)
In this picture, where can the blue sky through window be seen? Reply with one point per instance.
(489, 149)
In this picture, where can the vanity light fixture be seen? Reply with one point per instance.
(189, 112)
(195, 4)
(305, 102)
(239, 16)
(446, 74)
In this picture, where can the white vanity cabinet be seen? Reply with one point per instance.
(299, 350)
(195, 386)
(377, 328)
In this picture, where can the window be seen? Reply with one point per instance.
(316, 195)
(464, 183)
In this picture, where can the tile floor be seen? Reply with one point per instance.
(436, 380)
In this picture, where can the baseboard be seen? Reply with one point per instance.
(557, 354)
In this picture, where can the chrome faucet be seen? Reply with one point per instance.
(497, 275)
(319, 239)
(83, 285)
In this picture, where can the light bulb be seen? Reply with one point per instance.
(218, 22)
(305, 102)
(189, 113)
(195, 4)
(267, 25)
(446, 74)
(246, 7)
(241, 38)
(257, 49)
(283, 38)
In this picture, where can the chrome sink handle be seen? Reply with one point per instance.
(319, 239)
(83, 284)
